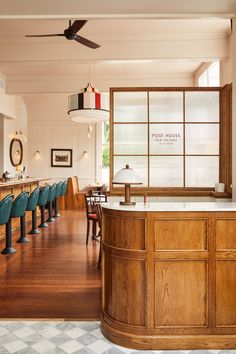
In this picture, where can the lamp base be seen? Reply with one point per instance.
(127, 203)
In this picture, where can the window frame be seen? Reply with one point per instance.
(225, 142)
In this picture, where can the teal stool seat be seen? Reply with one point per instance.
(17, 211)
(5, 209)
(31, 206)
(5, 212)
(42, 201)
(57, 195)
(51, 196)
(63, 188)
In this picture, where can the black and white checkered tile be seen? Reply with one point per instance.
(57, 337)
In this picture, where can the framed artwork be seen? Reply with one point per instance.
(61, 157)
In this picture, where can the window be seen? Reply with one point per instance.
(105, 168)
(171, 137)
(211, 76)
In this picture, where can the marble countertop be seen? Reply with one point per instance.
(173, 206)
(14, 182)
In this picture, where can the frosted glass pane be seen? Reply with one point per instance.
(166, 106)
(166, 171)
(201, 171)
(138, 163)
(202, 139)
(130, 139)
(166, 139)
(130, 107)
(202, 106)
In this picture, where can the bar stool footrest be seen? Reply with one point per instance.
(50, 219)
(43, 225)
(34, 232)
(23, 240)
(8, 250)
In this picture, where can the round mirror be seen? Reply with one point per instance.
(16, 152)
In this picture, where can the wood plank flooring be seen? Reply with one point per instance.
(53, 276)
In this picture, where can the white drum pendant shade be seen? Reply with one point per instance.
(88, 106)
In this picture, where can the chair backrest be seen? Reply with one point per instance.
(43, 196)
(63, 188)
(33, 199)
(90, 205)
(52, 191)
(58, 189)
(5, 208)
(98, 198)
(19, 205)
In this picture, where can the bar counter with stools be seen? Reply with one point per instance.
(11, 208)
(15, 187)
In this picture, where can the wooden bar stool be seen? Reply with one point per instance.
(31, 206)
(91, 216)
(57, 195)
(51, 196)
(5, 212)
(43, 198)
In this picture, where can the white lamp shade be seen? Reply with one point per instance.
(89, 116)
(126, 176)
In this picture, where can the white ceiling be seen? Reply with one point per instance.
(129, 48)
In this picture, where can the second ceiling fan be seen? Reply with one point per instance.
(70, 33)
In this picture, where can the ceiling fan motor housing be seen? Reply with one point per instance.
(69, 34)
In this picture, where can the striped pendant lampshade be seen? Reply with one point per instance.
(88, 106)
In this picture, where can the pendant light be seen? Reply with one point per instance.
(88, 106)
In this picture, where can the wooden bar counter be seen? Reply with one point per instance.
(15, 187)
(169, 275)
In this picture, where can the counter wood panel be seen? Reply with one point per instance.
(169, 279)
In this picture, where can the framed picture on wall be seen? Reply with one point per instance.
(61, 157)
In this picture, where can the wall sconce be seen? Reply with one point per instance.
(37, 154)
(19, 135)
(85, 155)
(90, 128)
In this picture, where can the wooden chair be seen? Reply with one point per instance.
(91, 216)
(98, 209)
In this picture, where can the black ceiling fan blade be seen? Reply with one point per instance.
(77, 25)
(46, 35)
(86, 42)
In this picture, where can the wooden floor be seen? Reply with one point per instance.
(53, 276)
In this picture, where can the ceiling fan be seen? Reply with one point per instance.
(71, 34)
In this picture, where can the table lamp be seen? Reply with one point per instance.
(126, 176)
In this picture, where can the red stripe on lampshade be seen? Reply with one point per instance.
(97, 100)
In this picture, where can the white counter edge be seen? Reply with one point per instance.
(172, 206)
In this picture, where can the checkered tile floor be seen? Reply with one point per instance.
(57, 337)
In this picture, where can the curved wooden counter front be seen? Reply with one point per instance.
(169, 279)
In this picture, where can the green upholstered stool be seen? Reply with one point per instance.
(57, 195)
(18, 211)
(5, 212)
(51, 196)
(63, 188)
(31, 206)
(42, 201)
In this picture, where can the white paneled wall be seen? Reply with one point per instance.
(62, 135)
